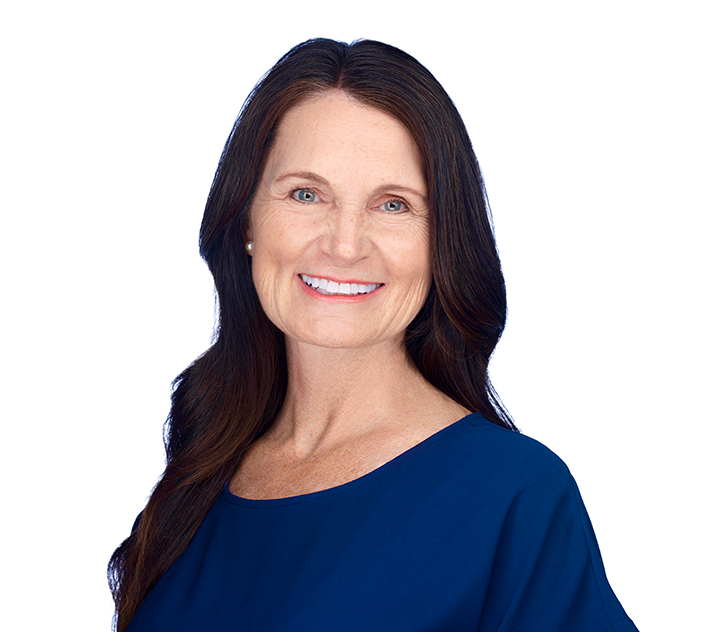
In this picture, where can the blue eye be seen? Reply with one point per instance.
(304, 195)
(394, 206)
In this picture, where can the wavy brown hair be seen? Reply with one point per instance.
(228, 398)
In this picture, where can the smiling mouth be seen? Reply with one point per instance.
(332, 288)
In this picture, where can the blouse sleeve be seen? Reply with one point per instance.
(548, 574)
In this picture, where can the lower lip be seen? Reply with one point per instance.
(338, 298)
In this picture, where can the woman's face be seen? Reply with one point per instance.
(340, 225)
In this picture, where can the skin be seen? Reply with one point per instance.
(343, 197)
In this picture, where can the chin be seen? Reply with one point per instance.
(344, 337)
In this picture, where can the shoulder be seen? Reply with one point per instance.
(546, 558)
(481, 445)
(478, 463)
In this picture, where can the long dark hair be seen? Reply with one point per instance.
(230, 395)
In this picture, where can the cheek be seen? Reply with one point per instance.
(412, 256)
(276, 254)
(272, 247)
(271, 287)
(422, 269)
(262, 274)
(280, 234)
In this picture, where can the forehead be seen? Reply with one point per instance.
(333, 133)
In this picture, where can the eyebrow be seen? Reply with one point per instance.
(303, 175)
(313, 177)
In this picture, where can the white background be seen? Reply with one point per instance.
(595, 125)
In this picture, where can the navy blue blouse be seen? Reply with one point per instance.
(476, 528)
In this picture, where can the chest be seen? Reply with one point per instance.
(368, 557)
(267, 472)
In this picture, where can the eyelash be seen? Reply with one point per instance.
(399, 201)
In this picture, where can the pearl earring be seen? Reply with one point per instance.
(249, 246)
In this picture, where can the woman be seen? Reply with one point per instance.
(324, 468)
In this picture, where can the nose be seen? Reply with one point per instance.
(346, 239)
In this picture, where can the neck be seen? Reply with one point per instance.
(338, 394)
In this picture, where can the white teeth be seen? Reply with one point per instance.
(332, 288)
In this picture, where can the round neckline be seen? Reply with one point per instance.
(362, 480)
